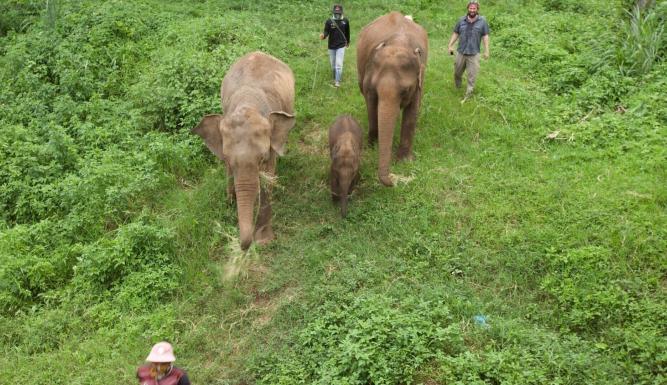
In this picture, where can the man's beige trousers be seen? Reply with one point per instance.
(470, 64)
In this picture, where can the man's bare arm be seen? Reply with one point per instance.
(452, 40)
(485, 40)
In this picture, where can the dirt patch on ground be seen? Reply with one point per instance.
(266, 305)
(314, 140)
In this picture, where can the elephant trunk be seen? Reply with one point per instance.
(343, 206)
(344, 189)
(388, 110)
(247, 187)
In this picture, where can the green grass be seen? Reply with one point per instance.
(116, 232)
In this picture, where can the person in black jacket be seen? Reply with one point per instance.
(337, 29)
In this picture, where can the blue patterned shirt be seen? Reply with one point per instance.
(470, 34)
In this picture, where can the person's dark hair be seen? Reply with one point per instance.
(337, 8)
(473, 2)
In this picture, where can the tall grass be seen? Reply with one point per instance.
(51, 13)
(643, 41)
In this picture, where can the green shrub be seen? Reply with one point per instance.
(372, 339)
(136, 247)
(515, 353)
(593, 299)
(582, 282)
(577, 6)
(18, 15)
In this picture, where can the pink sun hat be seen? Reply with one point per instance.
(161, 352)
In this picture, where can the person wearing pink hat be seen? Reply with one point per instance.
(160, 369)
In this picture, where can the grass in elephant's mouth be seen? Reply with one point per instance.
(268, 180)
(238, 262)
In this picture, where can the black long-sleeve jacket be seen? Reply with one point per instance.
(338, 32)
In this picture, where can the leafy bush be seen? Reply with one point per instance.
(578, 6)
(514, 353)
(372, 339)
(136, 247)
(594, 299)
(33, 274)
(178, 86)
(17, 15)
(582, 285)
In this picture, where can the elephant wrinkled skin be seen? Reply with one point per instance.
(392, 53)
(257, 98)
(345, 151)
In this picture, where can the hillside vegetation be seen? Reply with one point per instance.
(526, 244)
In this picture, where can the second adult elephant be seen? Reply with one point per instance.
(391, 59)
(257, 97)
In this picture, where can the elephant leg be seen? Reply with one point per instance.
(408, 126)
(263, 230)
(388, 110)
(335, 188)
(372, 108)
(231, 191)
(354, 183)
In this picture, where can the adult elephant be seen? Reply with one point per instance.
(257, 97)
(391, 59)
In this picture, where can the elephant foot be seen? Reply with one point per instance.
(405, 155)
(264, 235)
(245, 244)
(388, 180)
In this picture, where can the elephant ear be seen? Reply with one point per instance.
(422, 67)
(281, 124)
(209, 130)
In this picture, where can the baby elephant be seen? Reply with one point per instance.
(345, 150)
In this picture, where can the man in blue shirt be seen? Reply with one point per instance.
(470, 30)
